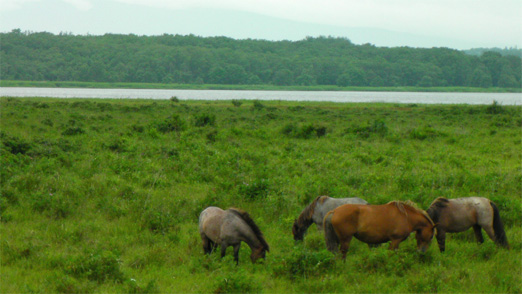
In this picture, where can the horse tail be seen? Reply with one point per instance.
(330, 236)
(498, 227)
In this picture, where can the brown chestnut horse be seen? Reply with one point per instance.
(458, 215)
(315, 212)
(229, 228)
(376, 224)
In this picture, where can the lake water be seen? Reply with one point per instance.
(330, 96)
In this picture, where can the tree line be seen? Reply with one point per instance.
(189, 59)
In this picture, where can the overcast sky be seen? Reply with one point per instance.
(460, 24)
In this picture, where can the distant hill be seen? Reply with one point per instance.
(188, 59)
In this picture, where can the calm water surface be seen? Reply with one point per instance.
(330, 96)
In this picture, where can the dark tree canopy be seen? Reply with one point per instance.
(220, 60)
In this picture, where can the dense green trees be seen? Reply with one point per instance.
(220, 60)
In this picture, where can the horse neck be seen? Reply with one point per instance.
(417, 219)
(305, 218)
(252, 241)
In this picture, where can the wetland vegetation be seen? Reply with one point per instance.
(104, 195)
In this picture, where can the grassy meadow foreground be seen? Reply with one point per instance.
(104, 195)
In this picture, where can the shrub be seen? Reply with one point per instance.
(98, 266)
(159, 221)
(237, 103)
(116, 145)
(258, 105)
(72, 131)
(174, 99)
(378, 127)
(48, 122)
(205, 119)
(425, 133)
(494, 108)
(306, 131)
(15, 145)
(303, 263)
(174, 123)
(381, 260)
(54, 205)
(237, 282)
(211, 136)
(134, 288)
(255, 190)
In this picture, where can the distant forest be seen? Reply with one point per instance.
(220, 60)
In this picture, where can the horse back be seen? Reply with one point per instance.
(345, 219)
(462, 213)
(327, 204)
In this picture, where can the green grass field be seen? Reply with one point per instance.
(103, 196)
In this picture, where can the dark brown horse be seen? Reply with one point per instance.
(228, 228)
(376, 224)
(315, 212)
(458, 215)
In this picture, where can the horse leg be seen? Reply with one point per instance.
(223, 249)
(345, 244)
(441, 239)
(236, 252)
(491, 233)
(478, 234)
(207, 244)
(214, 246)
(394, 244)
(371, 246)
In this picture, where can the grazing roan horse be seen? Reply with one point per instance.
(228, 228)
(376, 224)
(315, 212)
(458, 215)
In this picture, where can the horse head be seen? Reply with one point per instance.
(258, 253)
(298, 231)
(424, 236)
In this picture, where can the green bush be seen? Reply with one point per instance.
(52, 204)
(255, 190)
(303, 263)
(205, 119)
(238, 281)
(15, 145)
(159, 221)
(378, 127)
(258, 105)
(494, 108)
(134, 288)
(73, 131)
(99, 266)
(425, 133)
(306, 131)
(173, 123)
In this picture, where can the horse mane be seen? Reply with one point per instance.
(436, 206)
(246, 217)
(408, 203)
(306, 216)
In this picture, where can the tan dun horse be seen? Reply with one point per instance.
(229, 228)
(376, 224)
(458, 215)
(316, 211)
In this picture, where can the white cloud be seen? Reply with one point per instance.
(459, 19)
(80, 4)
(7, 5)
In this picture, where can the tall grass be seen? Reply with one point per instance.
(104, 195)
